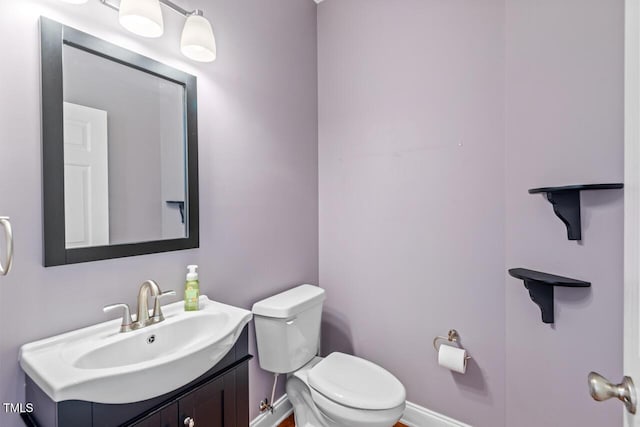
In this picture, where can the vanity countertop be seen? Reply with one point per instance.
(100, 364)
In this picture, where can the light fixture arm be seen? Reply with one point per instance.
(179, 10)
(171, 5)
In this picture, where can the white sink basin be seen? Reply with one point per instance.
(100, 364)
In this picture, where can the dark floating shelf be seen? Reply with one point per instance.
(566, 203)
(540, 286)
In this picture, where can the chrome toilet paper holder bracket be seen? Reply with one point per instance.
(451, 337)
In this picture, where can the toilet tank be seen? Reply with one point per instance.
(288, 328)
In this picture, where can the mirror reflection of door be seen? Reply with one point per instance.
(86, 176)
(145, 161)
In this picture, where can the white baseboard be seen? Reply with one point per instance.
(417, 416)
(281, 410)
(414, 416)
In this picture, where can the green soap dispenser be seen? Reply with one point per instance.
(191, 289)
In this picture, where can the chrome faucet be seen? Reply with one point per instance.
(148, 289)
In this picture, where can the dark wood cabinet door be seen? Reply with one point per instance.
(165, 417)
(214, 404)
(204, 405)
(230, 400)
(169, 416)
(152, 420)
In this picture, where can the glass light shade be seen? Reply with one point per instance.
(197, 41)
(142, 17)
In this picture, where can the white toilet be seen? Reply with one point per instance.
(336, 391)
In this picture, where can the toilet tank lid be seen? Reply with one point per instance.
(289, 303)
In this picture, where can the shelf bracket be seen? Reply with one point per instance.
(566, 204)
(540, 286)
(180, 205)
(542, 295)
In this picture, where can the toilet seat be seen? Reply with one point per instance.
(355, 383)
(352, 417)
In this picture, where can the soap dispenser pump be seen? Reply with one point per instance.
(191, 289)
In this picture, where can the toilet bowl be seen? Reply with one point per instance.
(345, 391)
(339, 390)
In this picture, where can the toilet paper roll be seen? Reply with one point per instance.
(453, 358)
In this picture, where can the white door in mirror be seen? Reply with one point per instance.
(86, 176)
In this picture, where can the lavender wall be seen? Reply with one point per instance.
(416, 231)
(564, 124)
(412, 192)
(258, 171)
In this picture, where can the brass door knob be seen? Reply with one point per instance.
(601, 389)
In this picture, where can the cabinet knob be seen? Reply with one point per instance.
(189, 422)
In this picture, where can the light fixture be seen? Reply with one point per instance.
(144, 17)
(197, 41)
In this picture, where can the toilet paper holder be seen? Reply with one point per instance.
(451, 337)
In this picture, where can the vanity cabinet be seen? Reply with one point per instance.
(210, 405)
(219, 398)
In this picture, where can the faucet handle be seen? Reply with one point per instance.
(157, 310)
(126, 315)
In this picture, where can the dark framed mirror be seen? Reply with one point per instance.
(119, 151)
